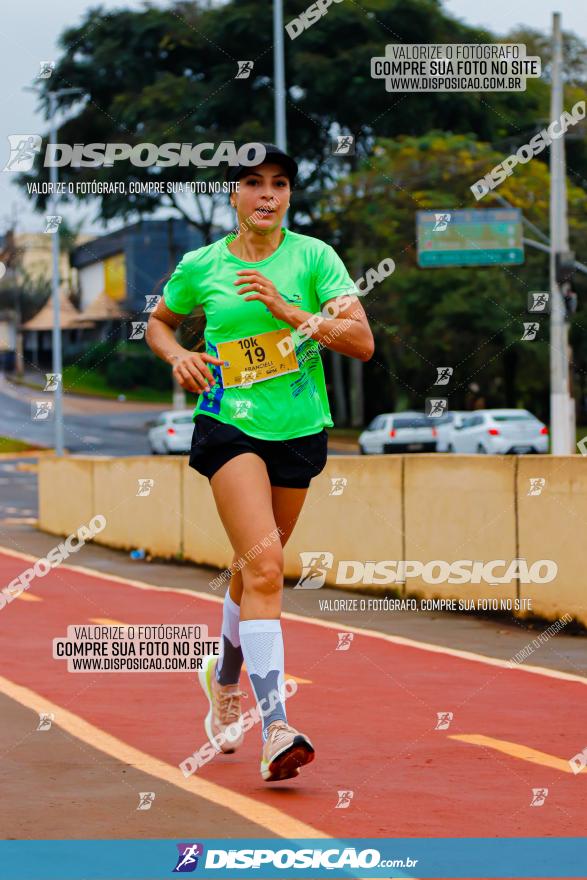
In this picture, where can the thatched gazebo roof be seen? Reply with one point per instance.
(70, 317)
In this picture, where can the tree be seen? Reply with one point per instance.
(470, 319)
(539, 43)
(168, 75)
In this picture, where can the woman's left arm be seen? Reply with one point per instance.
(346, 329)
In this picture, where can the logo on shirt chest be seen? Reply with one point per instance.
(295, 298)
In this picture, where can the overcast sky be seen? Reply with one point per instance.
(29, 31)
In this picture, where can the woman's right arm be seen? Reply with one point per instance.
(189, 367)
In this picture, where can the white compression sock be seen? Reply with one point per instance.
(262, 646)
(230, 661)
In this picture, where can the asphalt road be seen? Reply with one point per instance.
(91, 426)
(18, 491)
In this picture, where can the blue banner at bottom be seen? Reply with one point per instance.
(274, 858)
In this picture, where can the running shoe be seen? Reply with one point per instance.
(284, 752)
(223, 722)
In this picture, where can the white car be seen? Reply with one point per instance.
(445, 426)
(398, 432)
(498, 432)
(171, 432)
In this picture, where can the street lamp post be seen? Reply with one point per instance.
(57, 359)
(561, 402)
(279, 75)
(279, 80)
(56, 333)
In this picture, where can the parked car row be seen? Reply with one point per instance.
(484, 431)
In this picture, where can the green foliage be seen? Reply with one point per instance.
(123, 366)
(26, 293)
(470, 319)
(9, 444)
(127, 370)
(167, 75)
(164, 75)
(95, 357)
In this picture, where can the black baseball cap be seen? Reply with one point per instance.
(272, 154)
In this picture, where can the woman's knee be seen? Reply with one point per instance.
(264, 574)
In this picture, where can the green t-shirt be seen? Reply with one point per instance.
(306, 272)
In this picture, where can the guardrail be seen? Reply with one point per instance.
(380, 507)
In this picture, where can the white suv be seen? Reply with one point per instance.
(445, 426)
(171, 432)
(498, 432)
(398, 432)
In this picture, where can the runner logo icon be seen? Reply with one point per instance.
(344, 641)
(244, 69)
(344, 800)
(314, 568)
(444, 719)
(444, 375)
(338, 485)
(187, 860)
(539, 795)
(146, 799)
(23, 150)
(442, 221)
(45, 720)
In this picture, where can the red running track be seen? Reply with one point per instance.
(370, 712)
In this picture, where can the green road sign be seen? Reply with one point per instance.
(485, 237)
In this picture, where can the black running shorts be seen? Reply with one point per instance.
(290, 463)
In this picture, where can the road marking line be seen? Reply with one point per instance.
(525, 753)
(20, 520)
(40, 453)
(261, 814)
(326, 624)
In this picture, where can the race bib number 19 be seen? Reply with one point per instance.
(256, 358)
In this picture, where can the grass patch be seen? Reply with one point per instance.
(8, 444)
(82, 381)
(78, 380)
(344, 433)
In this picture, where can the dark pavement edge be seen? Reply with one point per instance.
(61, 788)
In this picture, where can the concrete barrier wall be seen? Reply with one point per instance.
(72, 491)
(66, 494)
(204, 539)
(460, 507)
(368, 508)
(141, 499)
(553, 525)
(353, 512)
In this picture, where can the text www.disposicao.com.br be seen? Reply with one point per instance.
(134, 664)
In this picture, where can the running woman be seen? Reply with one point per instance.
(260, 419)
